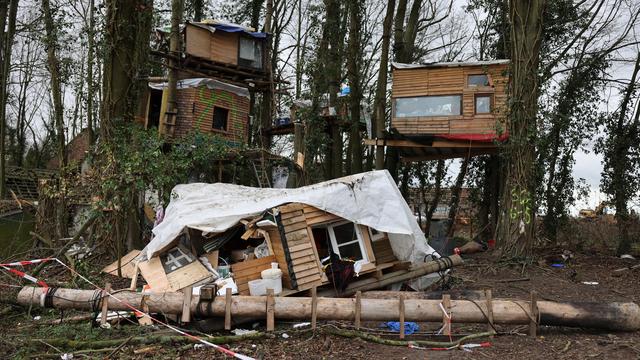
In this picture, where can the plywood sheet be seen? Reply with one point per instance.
(188, 275)
(127, 264)
(153, 273)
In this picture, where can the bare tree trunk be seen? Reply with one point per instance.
(7, 43)
(381, 90)
(455, 196)
(198, 10)
(437, 193)
(515, 225)
(177, 8)
(90, 60)
(353, 73)
(267, 97)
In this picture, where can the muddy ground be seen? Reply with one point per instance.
(20, 331)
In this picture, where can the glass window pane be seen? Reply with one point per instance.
(247, 49)
(478, 80)
(483, 104)
(351, 251)
(449, 105)
(345, 233)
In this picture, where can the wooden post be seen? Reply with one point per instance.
(358, 309)
(488, 297)
(105, 303)
(446, 303)
(227, 309)
(144, 320)
(533, 324)
(270, 311)
(186, 304)
(134, 278)
(401, 308)
(314, 307)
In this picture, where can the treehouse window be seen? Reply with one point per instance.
(375, 234)
(483, 104)
(478, 80)
(347, 241)
(448, 105)
(250, 53)
(220, 118)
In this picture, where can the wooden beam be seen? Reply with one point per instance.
(271, 323)
(227, 309)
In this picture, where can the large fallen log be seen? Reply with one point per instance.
(609, 316)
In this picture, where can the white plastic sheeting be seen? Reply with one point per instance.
(209, 83)
(371, 199)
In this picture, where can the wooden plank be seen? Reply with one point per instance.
(446, 318)
(297, 235)
(488, 298)
(293, 214)
(303, 254)
(298, 219)
(134, 279)
(322, 219)
(294, 227)
(105, 303)
(303, 267)
(358, 309)
(153, 273)
(188, 275)
(270, 310)
(308, 280)
(401, 310)
(533, 324)
(227, 309)
(291, 207)
(186, 305)
(224, 47)
(301, 247)
(250, 264)
(314, 307)
(127, 265)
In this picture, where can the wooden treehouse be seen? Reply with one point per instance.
(447, 110)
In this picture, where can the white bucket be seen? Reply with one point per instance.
(273, 278)
(275, 284)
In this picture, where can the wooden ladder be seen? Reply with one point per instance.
(260, 169)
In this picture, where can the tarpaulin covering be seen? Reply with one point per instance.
(227, 27)
(371, 199)
(476, 137)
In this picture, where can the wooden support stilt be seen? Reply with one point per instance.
(105, 303)
(358, 308)
(186, 305)
(533, 324)
(446, 318)
(227, 309)
(271, 320)
(488, 298)
(314, 307)
(401, 309)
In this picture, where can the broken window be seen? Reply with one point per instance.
(448, 105)
(483, 104)
(250, 53)
(220, 118)
(375, 234)
(347, 241)
(478, 80)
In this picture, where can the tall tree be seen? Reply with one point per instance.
(6, 44)
(354, 70)
(515, 223)
(381, 87)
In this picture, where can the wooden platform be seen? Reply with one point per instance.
(435, 149)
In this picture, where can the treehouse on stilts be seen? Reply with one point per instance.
(447, 110)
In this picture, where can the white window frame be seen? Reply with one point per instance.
(360, 240)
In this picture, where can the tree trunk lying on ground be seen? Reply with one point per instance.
(609, 316)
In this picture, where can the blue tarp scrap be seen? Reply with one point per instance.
(232, 29)
(409, 327)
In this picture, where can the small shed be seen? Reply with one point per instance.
(225, 43)
(361, 219)
(204, 104)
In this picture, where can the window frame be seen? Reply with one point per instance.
(395, 108)
(360, 239)
(475, 104)
(375, 237)
(213, 119)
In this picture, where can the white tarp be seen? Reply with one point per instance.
(371, 199)
(209, 83)
(400, 66)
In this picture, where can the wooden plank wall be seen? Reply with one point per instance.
(218, 46)
(195, 110)
(245, 271)
(451, 81)
(305, 263)
(383, 252)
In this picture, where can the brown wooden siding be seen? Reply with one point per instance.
(218, 46)
(451, 81)
(195, 110)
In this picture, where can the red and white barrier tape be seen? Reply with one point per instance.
(28, 262)
(136, 311)
(25, 276)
